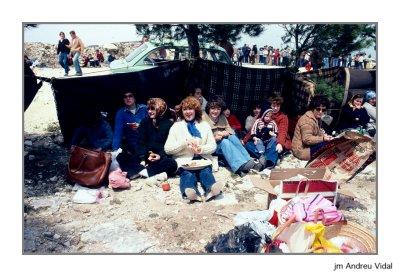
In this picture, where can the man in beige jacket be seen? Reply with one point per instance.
(77, 48)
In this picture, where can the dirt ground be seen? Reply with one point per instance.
(142, 219)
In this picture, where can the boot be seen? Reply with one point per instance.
(262, 161)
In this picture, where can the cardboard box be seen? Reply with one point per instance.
(319, 182)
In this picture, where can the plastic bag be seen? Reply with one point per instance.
(85, 195)
(297, 237)
(319, 230)
(258, 221)
(242, 239)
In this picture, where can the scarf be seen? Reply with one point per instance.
(191, 125)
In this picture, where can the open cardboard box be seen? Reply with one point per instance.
(327, 189)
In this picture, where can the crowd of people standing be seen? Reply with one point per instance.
(268, 55)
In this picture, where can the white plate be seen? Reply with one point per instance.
(196, 164)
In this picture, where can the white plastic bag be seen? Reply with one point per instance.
(86, 195)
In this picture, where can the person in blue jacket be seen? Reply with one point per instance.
(95, 133)
(127, 122)
(126, 133)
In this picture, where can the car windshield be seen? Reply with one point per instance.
(136, 52)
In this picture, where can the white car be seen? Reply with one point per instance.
(149, 55)
(371, 64)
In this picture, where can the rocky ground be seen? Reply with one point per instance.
(142, 219)
(45, 54)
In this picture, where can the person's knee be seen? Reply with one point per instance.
(224, 143)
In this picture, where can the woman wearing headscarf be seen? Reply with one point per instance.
(153, 133)
(189, 140)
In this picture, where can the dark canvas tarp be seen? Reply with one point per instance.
(31, 86)
(104, 93)
(240, 86)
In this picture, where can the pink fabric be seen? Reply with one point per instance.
(117, 179)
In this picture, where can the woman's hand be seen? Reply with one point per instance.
(133, 126)
(153, 157)
(272, 134)
(143, 163)
(197, 149)
(218, 136)
(255, 140)
(327, 137)
(225, 134)
(279, 148)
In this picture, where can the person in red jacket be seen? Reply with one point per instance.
(233, 122)
(283, 143)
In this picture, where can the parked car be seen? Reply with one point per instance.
(371, 64)
(149, 55)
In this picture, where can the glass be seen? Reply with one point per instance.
(128, 96)
(320, 110)
(136, 52)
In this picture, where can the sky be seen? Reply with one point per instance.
(100, 34)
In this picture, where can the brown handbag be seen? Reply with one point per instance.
(88, 167)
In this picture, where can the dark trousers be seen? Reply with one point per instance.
(131, 164)
(316, 147)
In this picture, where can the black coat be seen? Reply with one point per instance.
(353, 119)
(152, 138)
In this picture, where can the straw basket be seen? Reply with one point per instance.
(356, 233)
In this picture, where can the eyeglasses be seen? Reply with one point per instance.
(128, 96)
(152, 108)
(320, 110)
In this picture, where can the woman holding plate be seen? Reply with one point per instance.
(191, 143)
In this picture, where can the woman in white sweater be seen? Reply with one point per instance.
(192, 139)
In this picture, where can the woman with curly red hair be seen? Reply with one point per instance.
(192, 139)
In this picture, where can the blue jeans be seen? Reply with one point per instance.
(233, 151)
(75, 59)
(189, 179)
(316, 147)
(270, 154)
(63, 61)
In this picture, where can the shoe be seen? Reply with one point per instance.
(66, 74)
(154, 180)
(136, 176)
(241, 173)
(215, 190)
(192, 195)
(269, 164)
(258, 166)
(78, 74)
(247, 166)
